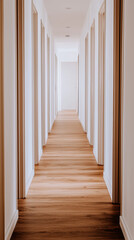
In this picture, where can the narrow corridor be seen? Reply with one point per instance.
(68, 198)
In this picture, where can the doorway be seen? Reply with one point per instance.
(86, 83)
(43, 83)
(101, 82)
(92, 82)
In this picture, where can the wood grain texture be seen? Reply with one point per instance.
(21, 96)
(68, 198)
(116, 100)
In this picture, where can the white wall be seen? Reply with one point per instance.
(108, 98)
(127, 195)
(29, 169)
(52, 75)
(39, 8)
(10, 100)
(10, 116)
(65, 54)
(92, 15)
(127, 215)
(69, 84)
(42, 16)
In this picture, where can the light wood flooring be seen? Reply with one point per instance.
(68, 198)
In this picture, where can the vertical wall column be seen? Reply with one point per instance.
(127, 122)
(10, 116)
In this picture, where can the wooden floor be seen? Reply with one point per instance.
(68, 198)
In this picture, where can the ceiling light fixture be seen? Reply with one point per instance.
(68, 27)
(67, 35)
(68, 8)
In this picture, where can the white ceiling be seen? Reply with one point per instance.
(60, 18)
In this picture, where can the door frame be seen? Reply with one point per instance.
(92, 81)
(86, 81)
(21, 98)
(35, 84)
(78, 84)
(121, 101)
(48, 83)
(101, 81)
(56, 85)
(2, 190)
(43, 83)
(117, 102)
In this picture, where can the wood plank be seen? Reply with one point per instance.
(68, 198)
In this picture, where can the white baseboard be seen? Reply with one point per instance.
(94, 152)
(11, 226)
(41, 152)
(88, 136)
(124, 229)
(52, 125)
(109, 187)
(29, 181)
(83, 128)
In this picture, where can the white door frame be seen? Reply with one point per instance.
(86, 83)
(48, 81)
(78, 85)
(2, 190)
(43, 83)
(101, 82)
(92, 81)
(35, 85)
(56, 85)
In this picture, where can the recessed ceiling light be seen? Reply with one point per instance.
(67, 35)
(68, 8)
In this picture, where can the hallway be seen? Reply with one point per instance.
(68, 198)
